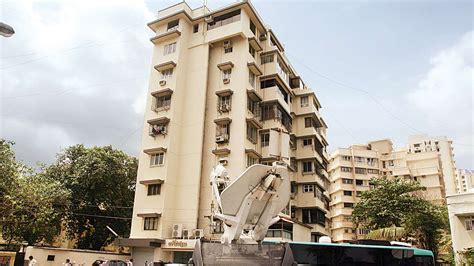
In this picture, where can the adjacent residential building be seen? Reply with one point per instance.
(461, 221)
(351, 169)
(222, 91)
(464, 180)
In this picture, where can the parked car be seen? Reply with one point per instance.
(109, 263)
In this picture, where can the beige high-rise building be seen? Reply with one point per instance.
(351, 169)
(464, 180)
(222, 90)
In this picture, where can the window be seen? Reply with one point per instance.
(251, 51)
(154, 189)
(371, 161)
(308, 122)
(372, 171)
(307, 142)
(391, 163)
(157, 159)
(304, 101)
(347, 181)
(252, 133)
(362, 231)
(223, 130)
(265, 138)
(253, 106)
(196, 28)
(307, 167)
(347, 193)
(252, 79)
(266, 58)
(359, 182)
(347, 218)
(167, 73)
(173, 25)
(50, 257)
(346, 169)
(308, 188)
(348, 205)
(253, 28)
(361, 171)
(251, 160)
(417, 145)
(469, 222)
(150, 223)
(228, 47)
(313, 216)
(169, 48)
(224, 20)
(224, 103)
(358, 159)
(226, 73)
(346, 158)
(163, 101)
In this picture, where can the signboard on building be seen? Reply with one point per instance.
(180, 244)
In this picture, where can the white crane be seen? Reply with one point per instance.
(251, 203)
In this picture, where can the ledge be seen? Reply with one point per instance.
(225, 65)
(254, 43)
(254, 68)
(254, 153)
(166, 36)
(162, 92)
(223, 121)
(165, 65)
(224, 92)
(154, 150)
(253, 94)
(221, 151)
(159, 121)
(149, 214)
(152, 181)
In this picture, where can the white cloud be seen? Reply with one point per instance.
(445, 96)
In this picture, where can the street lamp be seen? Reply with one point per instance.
(6, 30)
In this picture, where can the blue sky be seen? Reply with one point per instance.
(415, 58)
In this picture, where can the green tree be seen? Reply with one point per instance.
(102, 184)
(395, 203)
(28, 210)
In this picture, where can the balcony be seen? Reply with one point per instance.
(273, 94)
(341, 211)
(254, 119)
(308, 152)
(158, 126)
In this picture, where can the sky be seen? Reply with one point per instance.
(77, 71)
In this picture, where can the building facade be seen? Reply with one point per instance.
(351, 169)
(461, 222)
(464, 180)
(222, 90)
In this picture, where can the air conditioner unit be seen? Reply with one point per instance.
(220, 139)
(226, 80)
(208, 19)
(162, 82)
(187, 233)
(177, 231)
(263, 37)
(227, 44)
(225, 107)
(198, 233)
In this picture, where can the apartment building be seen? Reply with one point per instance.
(464, 180)
(351, 169)
(222, 90)
(444, 147)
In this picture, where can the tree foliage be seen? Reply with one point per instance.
(28, 201)
(101, 181)
(394, 203)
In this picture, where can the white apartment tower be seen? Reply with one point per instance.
(222, 90)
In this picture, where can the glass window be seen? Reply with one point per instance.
(308, 122)
(157, 159)
(346, 169)
(348, 205)
(359, 182)
(226, 73)
(173, 25)
(251, 160)
(196, 28)
(267, 58)
(469, 222)
(169, 48)
(347, 181)
(307, 167)
(251, 51)
(228, 47)
(346, 158)
(361, 171)
(308, 188)
(154, 189)
(167, 73)
(304, 101)
(253, 28)
(224, 20)
(252, 79)
(347, 193)
(252, 133)
(150, 223)
(307, 142)
(265, 139)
